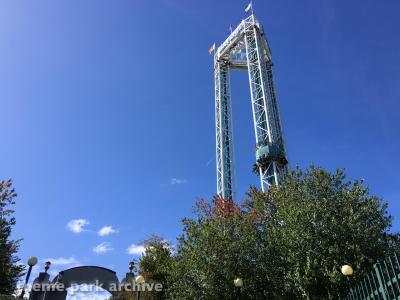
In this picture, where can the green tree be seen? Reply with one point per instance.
(224, 242)
(9, 271)
(321, 221)
(155, 265)
(287, 244)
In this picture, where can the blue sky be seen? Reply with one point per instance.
(107, 111)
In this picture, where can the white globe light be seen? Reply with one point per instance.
(238, 282)
(32, 261)
(140, 279)
(347, 270)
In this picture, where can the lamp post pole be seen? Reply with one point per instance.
(47, 266)
(238, 282)
(139, 280)
(31, 262)
(131, 266)
(348, 272)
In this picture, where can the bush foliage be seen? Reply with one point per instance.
(288, 243)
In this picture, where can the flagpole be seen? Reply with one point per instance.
(252, 12)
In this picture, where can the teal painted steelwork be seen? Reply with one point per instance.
(267, 151)
(382, 283)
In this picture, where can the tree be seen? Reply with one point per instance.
(155, 265)
(224, 242)
(321, 221)
(288, 243)
(9, 271)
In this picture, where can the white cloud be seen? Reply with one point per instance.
(62, 261)
(170, 247)
(76, 226)
(106, 230)
(53, 273)
(87, 292)
(57, 265)
(135, 249)
(175, 181)
(102, 248)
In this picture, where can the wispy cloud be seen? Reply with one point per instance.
(62, 261)
(88, 292)
(106, 230)
(177, 181)
(102, 248)
(135, 249)
(77, 225)
(57, 264)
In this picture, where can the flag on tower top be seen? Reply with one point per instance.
(248, 7)
(211, 49)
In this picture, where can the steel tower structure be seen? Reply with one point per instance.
(246, 48)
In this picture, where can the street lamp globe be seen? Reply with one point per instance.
(347, 270)
(238, 282)
(32, 261)
(140, 279)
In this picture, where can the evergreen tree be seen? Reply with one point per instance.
(9, 271)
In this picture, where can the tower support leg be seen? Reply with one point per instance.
(224, 137)
(266, 118)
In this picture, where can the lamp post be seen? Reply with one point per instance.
(348, 272)
(131, 266)
(47, 266)
(238, 282)
(31, 262)
(139, 280)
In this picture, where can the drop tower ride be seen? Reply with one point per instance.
(246, 48)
